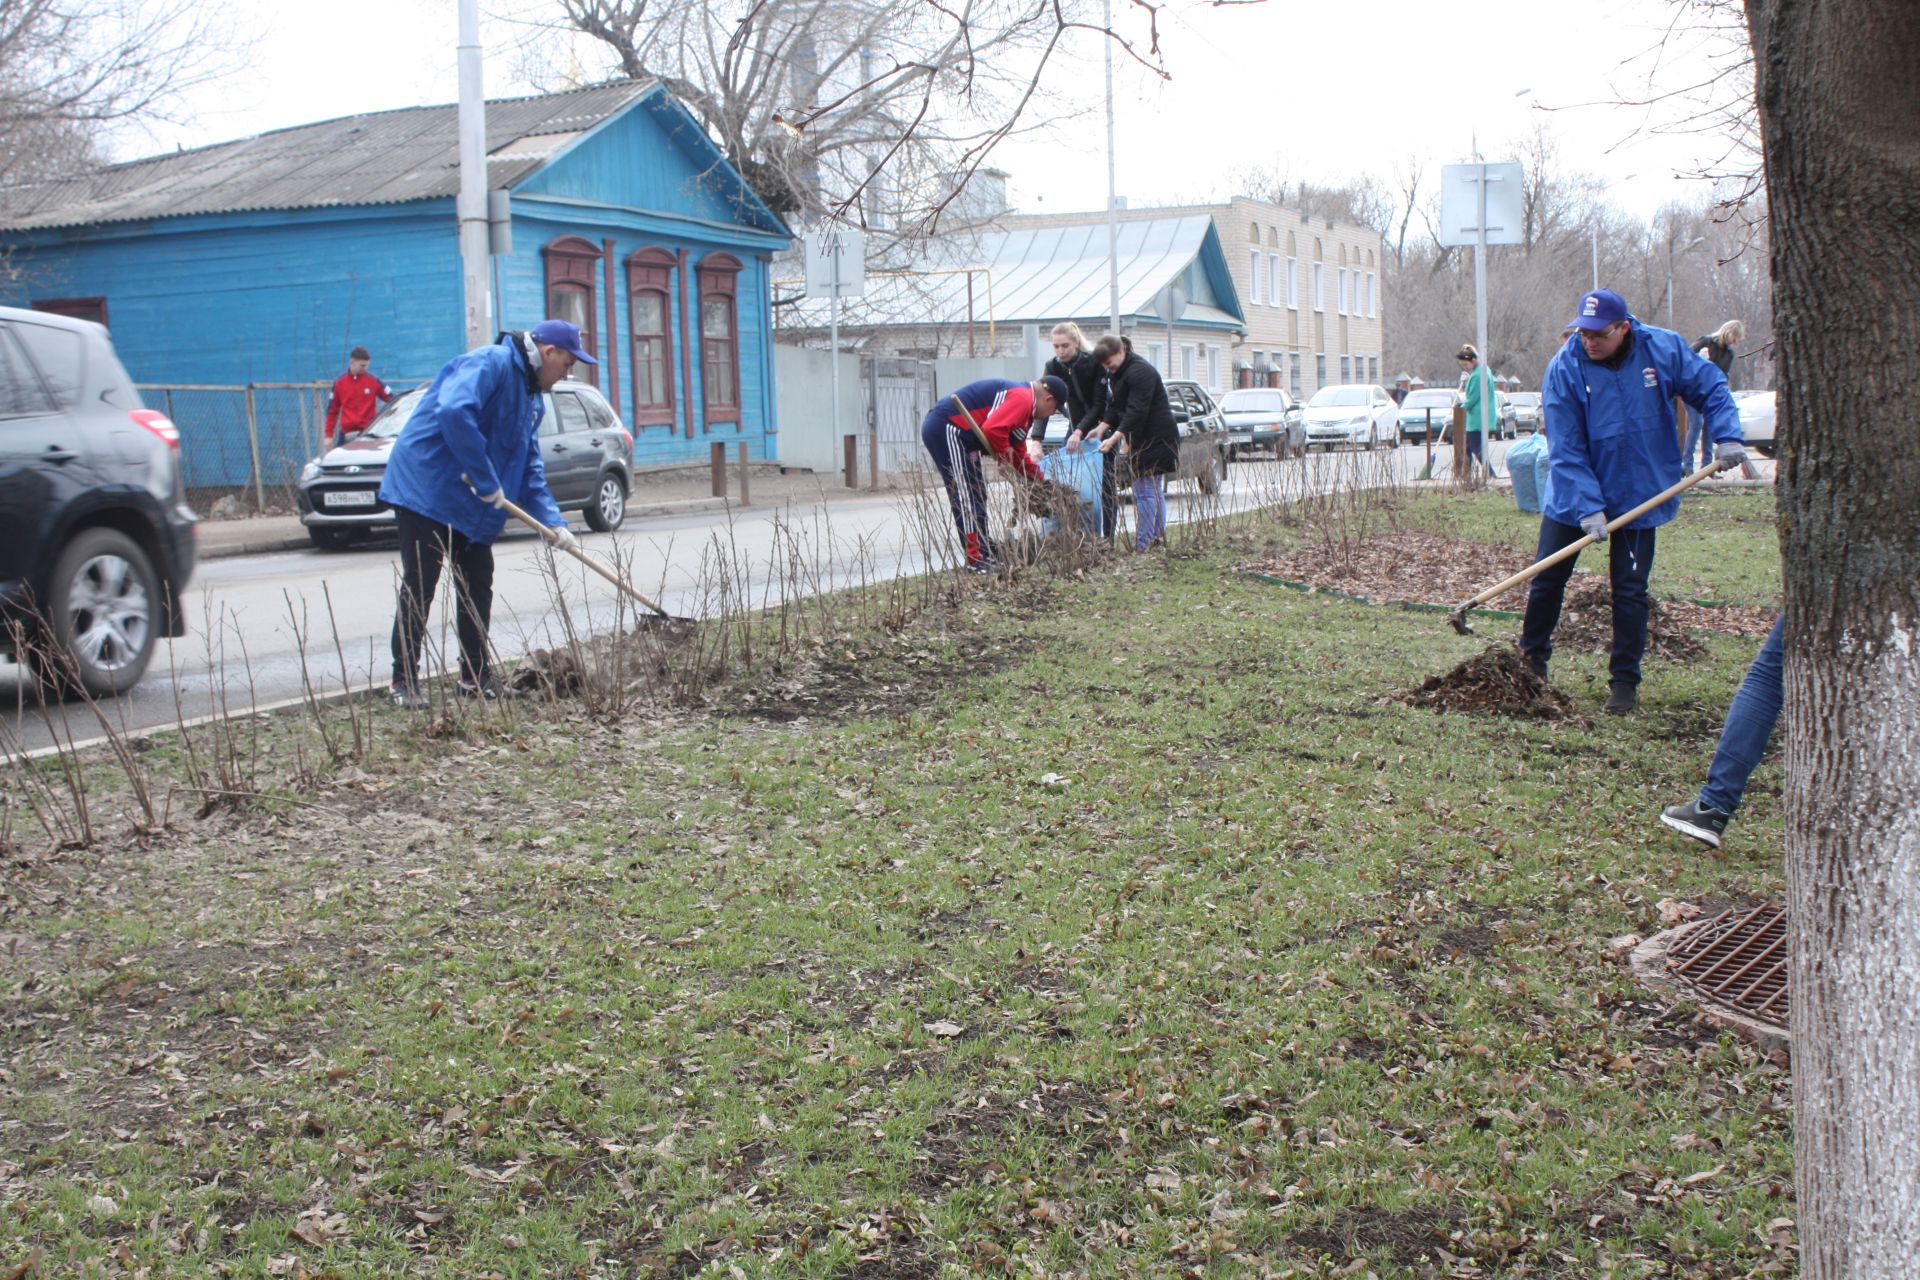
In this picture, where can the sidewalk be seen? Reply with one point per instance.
(676, 492)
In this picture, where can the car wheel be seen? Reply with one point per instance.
(105, 602)
(1765, 450)
(608, 510)
(330, 539)
(1209, 477)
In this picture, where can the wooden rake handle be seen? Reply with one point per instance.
(967, 414)
(551, 538)
(1573, 548)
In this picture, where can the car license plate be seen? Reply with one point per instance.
(348, 498)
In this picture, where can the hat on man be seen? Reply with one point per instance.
(559, 333)
(1599, 309)
(1056, 387)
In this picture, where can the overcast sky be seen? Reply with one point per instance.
(1317, 91)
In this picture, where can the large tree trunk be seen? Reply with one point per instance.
(1839, 91)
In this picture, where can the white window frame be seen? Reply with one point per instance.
(1340, 291)
(1215, 363)
(1274, 283)
(1189, 361)
(1320, 286)
(1253, 278)
(1293, 284)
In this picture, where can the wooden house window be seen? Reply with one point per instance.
(571, 264)
(650, 321)
(720, 332)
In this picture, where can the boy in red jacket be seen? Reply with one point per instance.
(357, 397)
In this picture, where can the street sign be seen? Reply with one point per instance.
(836, 257)
(1170, 303)
(1461, 188)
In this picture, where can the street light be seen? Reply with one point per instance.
(1697, 242)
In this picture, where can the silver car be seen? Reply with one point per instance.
(1264, 418)
(586, 450)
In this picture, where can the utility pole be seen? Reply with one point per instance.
(1113, 221)
(471, 205)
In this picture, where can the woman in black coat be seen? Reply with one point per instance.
(1086, 404)
(1138, 411)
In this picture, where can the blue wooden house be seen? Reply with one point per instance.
(266, 259)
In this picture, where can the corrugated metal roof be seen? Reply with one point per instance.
(1030, 275)
(383, 157)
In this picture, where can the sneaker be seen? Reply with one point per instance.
(1622, 699)
(983, 566)
(488, 687)
(1697, 820)
(405, 695)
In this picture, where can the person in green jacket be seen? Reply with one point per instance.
(1483, 407)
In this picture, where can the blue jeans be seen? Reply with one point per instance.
(1696, 430)
(1630, 561)
(1150, 510)
(1750, 721)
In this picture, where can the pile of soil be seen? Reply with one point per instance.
(1498, 682)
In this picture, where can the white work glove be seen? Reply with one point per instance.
(563, 539)
(497, 499)
(1595, 526)
(1730, 454)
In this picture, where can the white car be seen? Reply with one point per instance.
(1352, 413)
(1756, 419)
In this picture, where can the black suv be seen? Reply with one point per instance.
(96, 538)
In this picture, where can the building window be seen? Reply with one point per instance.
(1319, 286)
(1373, 369)
(1346, 370)
(1274, 282)
(1293, 283)
(94, 309)
(720, 332)
(650, 322)
(1294, 360)
(1253, 277)
(1186, 360)
(1320, 371)
(1373, 295)
(1213, 367)
(571, 267)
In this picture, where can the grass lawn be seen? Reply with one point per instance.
(1109, 927)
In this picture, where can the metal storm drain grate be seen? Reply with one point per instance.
(1737, 960)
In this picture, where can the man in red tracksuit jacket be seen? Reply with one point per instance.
(357, 397)
(1005, 411)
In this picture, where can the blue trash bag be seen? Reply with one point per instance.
(1527, 465)
(1081, 473)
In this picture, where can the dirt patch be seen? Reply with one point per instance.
(1498, 682)
(1408, 1235)
(1414, 566)
(851, 686)
(1586, 623)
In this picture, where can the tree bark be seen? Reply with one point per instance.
(1839, 93)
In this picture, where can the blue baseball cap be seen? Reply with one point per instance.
(1599, 309)
(561, 334)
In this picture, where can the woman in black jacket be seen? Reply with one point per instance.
(1086, 404)
(1138, 410)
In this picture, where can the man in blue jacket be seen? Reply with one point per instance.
(469, 449)
(1607, 401)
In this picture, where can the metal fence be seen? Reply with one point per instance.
(257, 436)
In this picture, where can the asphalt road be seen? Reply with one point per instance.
(262, 628)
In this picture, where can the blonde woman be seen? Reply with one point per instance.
(1073, 363)
(1718, 348)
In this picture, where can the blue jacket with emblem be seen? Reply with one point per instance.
(1611, 434)
(481, 419)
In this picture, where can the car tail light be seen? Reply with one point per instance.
(158, 423)
(628, 435)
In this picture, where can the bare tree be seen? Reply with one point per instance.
(72, 69)
(1839, 95)
(872, 110)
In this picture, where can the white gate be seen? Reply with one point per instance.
(902, 393)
